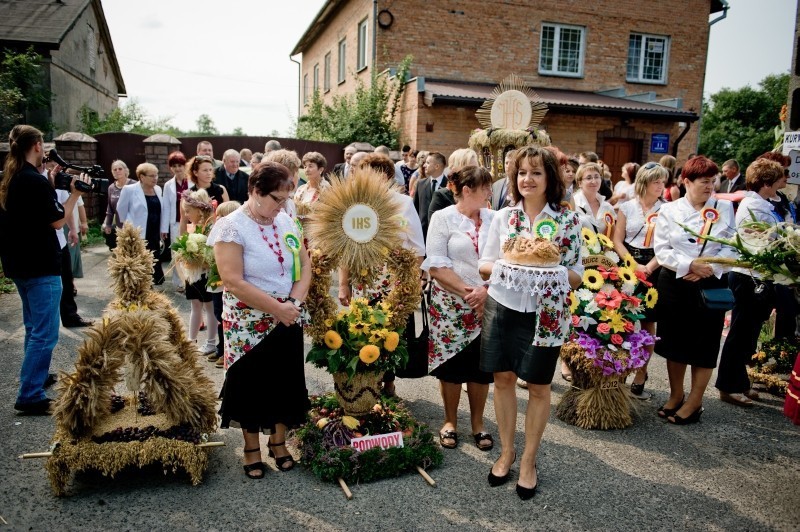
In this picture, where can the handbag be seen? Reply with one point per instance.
(111, 238)
(417, 346)
(717, 298)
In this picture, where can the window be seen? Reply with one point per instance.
(91, 48)
(647, 58)
(305, 89)
(342, 65)
(561, 50)
(316, 77)
(326, 80)
(362, 45)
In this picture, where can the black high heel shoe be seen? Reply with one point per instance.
(694, 417)
(495, 480)
(528, 493)
(664, 412)
(280, 461)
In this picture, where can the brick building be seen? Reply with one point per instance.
(623, 78)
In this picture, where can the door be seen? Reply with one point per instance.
(617, 152)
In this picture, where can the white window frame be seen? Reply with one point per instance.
(316, 77)
(640, 70)
(361, 60)
(342, 63)
(326, 74)
(553, 70)
(305, 89)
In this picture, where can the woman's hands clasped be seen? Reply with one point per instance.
(698, 270)
(476, 298)
(287, 313)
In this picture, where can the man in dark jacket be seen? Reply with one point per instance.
(231, 177)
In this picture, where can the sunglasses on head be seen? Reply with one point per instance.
(650, 165)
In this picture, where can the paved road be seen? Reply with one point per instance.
(736, 470)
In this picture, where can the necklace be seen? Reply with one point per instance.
(253, 216)
(276, 247)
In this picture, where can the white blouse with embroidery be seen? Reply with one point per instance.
(261, 265)
(452, 243)
(676, 249)
(636, 222)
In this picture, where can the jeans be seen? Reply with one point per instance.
(40, 314)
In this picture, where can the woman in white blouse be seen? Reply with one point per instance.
(515, 340)
(456, 236)
(595, 212)
(633, 236)
(690, 333)
(623, 189)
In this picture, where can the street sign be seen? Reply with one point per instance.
(794, 167)
(791, 141)
(659, 143)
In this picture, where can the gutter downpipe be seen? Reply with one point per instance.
(680, 138)
(374, 33)
(299, 87)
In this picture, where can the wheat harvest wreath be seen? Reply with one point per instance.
(356, 225)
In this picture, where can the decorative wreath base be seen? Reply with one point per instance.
(775, 384)
(594, 401)
(327, 451)
(358, 395)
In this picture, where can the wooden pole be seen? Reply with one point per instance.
(426, 476)
(345, 489)
(48, 454)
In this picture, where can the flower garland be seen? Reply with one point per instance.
(325, 442)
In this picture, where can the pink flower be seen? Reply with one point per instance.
(629, 326)
(575, 320)
(604, 328)
(616, 339)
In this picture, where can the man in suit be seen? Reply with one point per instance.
(435, 179)
(343, 169)
(733, 180)
(206, 148)
(501, 195)
(231, 177)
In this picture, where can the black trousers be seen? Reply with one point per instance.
(216, 299)
(69, 309)
(785, 312)
(750, 311)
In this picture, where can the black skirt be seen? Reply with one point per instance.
(267, 386)
(197, 290)
(689, 333)
(507, 345)
(464, 366)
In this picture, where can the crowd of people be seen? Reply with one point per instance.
(458, 217)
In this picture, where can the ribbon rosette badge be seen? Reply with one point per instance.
(293, 243)
(651, 226)
(545, 229)
(710, 216)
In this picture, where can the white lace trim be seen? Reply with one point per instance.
(437, 262)
(534, 281)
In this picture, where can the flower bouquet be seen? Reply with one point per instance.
(607, 341)
(771, 250)
(358, 348)
(192, 256)
(329, 451)
(773, 363)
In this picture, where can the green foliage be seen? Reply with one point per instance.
(205, 125)
(739, 124)
(6, 284)
(129, 117)
(94, 236)
(367, 115)
(22, 91)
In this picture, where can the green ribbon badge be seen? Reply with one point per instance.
(293, 243)
(299, 227)
(545, 229)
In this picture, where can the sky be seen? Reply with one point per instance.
(230, 60)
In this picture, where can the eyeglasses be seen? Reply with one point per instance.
(276, 199)
(650, 165)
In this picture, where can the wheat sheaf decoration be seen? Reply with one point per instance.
(513, 83)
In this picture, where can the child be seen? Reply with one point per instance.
(223, 210)
(198, 210)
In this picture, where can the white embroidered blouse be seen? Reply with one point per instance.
(453, 242)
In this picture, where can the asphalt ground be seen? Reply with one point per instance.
(738, 469)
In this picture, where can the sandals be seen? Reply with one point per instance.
(694, 417)
(283, 460)
(738, 399)
(664, 412)
(483, 436)
(448, 435)
(258, 467)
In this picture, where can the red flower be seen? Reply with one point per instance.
(247, 348)
(604, 328)
(608, 300)
(629, 326)
(469, 320)
(643, 278)
(635, 301)
(616, 339)
(608, 274)
(575, 320)
(240, 304)
(261, 326)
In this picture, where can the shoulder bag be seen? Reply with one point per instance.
(715, 298)
(417, 346)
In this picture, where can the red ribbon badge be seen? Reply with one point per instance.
(651, 227)
(608, 218)
(710, 216)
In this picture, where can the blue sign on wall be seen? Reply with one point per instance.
(659, 143)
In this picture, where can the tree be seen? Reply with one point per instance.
(367, 115)
(22, 92)
(129, 117)
(238, 132)
(205, 125)
(739, 124)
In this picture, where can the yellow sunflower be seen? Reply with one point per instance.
(607, 243)
(392, 341)
(369, 354)
(592, 279)
(333, 340)
(630, 262)
(573, 302)
(358, 328)
(628, 276)
(651, 298)
(589, 237)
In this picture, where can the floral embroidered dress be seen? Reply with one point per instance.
(550, 300)
(453, 242)
(245, 327)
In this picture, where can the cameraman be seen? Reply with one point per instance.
(31, 257)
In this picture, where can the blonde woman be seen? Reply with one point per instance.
(120, 172)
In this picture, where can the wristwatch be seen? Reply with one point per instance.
(295, 302)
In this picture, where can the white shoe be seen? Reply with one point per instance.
(209, 348)
(522, 384)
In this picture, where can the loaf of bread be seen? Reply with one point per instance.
(524, 251)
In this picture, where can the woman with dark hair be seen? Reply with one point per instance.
(671, 190)
(513, 344)
(689, 332)
(419, 173)
(200, 170)
(173, 192)
(257, 248)
(623, 189)
(457, 235)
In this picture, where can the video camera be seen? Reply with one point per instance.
(62, 180)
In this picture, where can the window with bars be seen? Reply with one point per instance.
(326, 79)
(316, 77)
(648, 56)
(362, 45)
(342, 65)
(561, 50)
